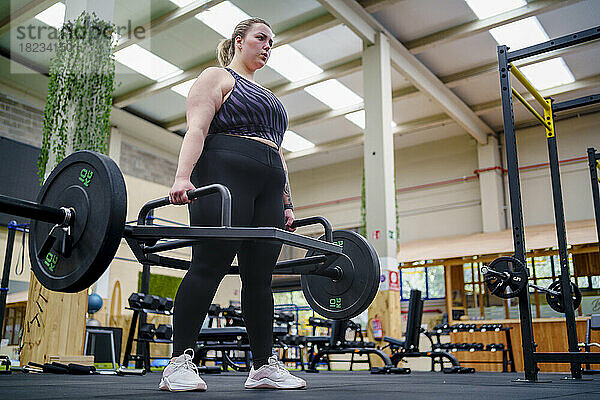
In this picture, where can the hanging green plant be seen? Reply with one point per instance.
(80, 91)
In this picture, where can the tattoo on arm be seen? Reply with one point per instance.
(287, 193)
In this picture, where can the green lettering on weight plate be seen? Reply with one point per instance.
(50, 261)
(335, 302)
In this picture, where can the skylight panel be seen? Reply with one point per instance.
(223, 18)
(358, 119)
(547, 74)
(294, 142)
(334, 94)
(181, 3)
(488, 8)
(184, 88)
(292, 64)
(53, 16)
(146, 63)
(520, 34)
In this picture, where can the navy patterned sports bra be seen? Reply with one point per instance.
(250, 110)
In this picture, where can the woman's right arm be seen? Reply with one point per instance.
(203, 101)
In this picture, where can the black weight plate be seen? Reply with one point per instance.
(506, 288)
(354, 292)
(92, 185)
(556, 302)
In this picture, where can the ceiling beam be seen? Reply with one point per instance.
(290, 35)
(476, 26)
(24, 14)
(451, 81)
(168, 20)
(366, 27)
(439, 120)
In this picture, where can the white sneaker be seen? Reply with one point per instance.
(273, 375)
(182, 374)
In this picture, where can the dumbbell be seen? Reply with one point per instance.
(164, 331)
(483, 327)
(472, 328)
(476, 346)
(284, 317)
(495, 347)
(135, 300)
(151, 302)
(322, 322)
(165, 304)
(147, 331)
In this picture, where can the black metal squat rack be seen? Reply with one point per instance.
(505, 60)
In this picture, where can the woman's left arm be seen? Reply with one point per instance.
(288, 207)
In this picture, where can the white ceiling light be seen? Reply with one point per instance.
(547, 74)
(184, 88)
(223, 18)
(294, 142)
(334, 94)
(146, 63)
(53, 16)
(292, 64)
(489, 8)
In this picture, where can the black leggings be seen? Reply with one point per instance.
(254, 174)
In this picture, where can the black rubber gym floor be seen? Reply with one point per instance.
(324, 385)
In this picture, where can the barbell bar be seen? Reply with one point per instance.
(506, 277)
(84, 203)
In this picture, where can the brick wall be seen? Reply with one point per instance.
(146, 165)
(23, 123)
(19, 121)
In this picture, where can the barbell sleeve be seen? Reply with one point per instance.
(501, 275)
(32, 210)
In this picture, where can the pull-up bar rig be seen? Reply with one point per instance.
(506, 67)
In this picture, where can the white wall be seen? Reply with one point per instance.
(455, 208)
(574, 136)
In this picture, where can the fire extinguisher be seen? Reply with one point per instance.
(377, 329)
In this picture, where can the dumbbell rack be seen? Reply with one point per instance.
(507, 352)
(142, 358)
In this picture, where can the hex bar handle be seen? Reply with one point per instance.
(193, 194)
(315, 220)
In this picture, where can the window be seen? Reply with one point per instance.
(429, 280)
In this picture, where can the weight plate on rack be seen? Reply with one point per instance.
(92, 185)
(353, 293)
(556, 302)
(510, 285)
